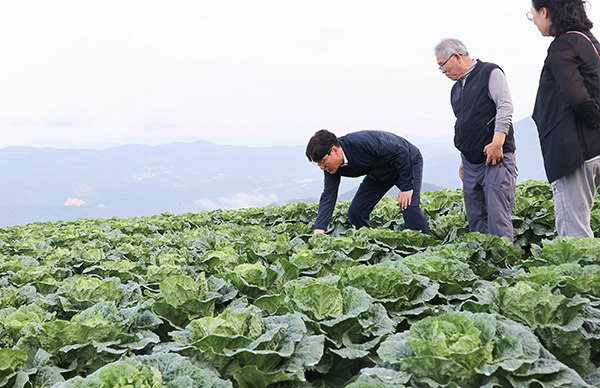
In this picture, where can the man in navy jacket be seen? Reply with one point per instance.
(384, 158)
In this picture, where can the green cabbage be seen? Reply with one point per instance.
(472, 350)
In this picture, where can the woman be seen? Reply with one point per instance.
(567, 112)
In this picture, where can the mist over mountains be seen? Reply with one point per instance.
(48, 184)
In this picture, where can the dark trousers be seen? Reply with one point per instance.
(370, 193)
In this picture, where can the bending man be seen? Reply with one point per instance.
(386, 159)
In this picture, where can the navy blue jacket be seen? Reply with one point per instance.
(383, 156)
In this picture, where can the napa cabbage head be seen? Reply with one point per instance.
(570, 278)
(328, 243)
(255, 274)
(453, 275)
(492, 255)
(319, 298)
(118, 375)
(158, 273)
(229, 323)
(474, 350)
(447, 348)
(310, 259)
(566, 249)
(378, 281)
(390, 283)
(183, 299)
(220, 260)
(534, 305)
(554, 318)
(178, 289)
(90, 289)
(468, 342)
(256, 280)
(12, 322)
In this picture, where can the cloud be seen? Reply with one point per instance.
(237, 201)
(74, 202)
(142, 176)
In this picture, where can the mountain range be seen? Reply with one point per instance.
(49, 184)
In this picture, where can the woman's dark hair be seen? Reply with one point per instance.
(565, 15)
(320, 145)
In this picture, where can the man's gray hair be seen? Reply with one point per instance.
(450, 46)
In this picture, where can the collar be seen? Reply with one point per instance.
(345, 162)
(463, 79)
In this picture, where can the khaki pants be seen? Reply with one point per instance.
(574, 198)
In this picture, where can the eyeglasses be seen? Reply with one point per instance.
(323, 160)
(441, 67)
(529, 16)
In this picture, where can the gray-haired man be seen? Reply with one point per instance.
(483, 133)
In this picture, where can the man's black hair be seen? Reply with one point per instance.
(320, 145)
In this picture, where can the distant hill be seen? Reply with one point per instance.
(529, 153)
(48, 184)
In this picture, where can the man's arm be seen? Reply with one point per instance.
(327, 201)
(500, 94)
(403, 164)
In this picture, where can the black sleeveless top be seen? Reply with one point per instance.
(475, 114)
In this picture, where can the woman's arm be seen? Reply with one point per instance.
(565, 63)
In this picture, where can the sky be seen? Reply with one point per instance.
(103, 73)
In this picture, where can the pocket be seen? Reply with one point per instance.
(508, 180)
(510, 165)
(491, 125)
(502, 179)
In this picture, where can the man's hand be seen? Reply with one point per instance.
(460, 172)
(494, 154)
(494, 149)
(404, 199)
(319, 231)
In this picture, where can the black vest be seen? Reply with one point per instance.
(475, 114)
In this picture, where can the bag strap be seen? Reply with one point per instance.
(587, 37)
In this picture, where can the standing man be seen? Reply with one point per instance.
(483, 133)
(386, 159)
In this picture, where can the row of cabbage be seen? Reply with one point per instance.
(249, 298)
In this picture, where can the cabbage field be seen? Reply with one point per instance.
(249, 298)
